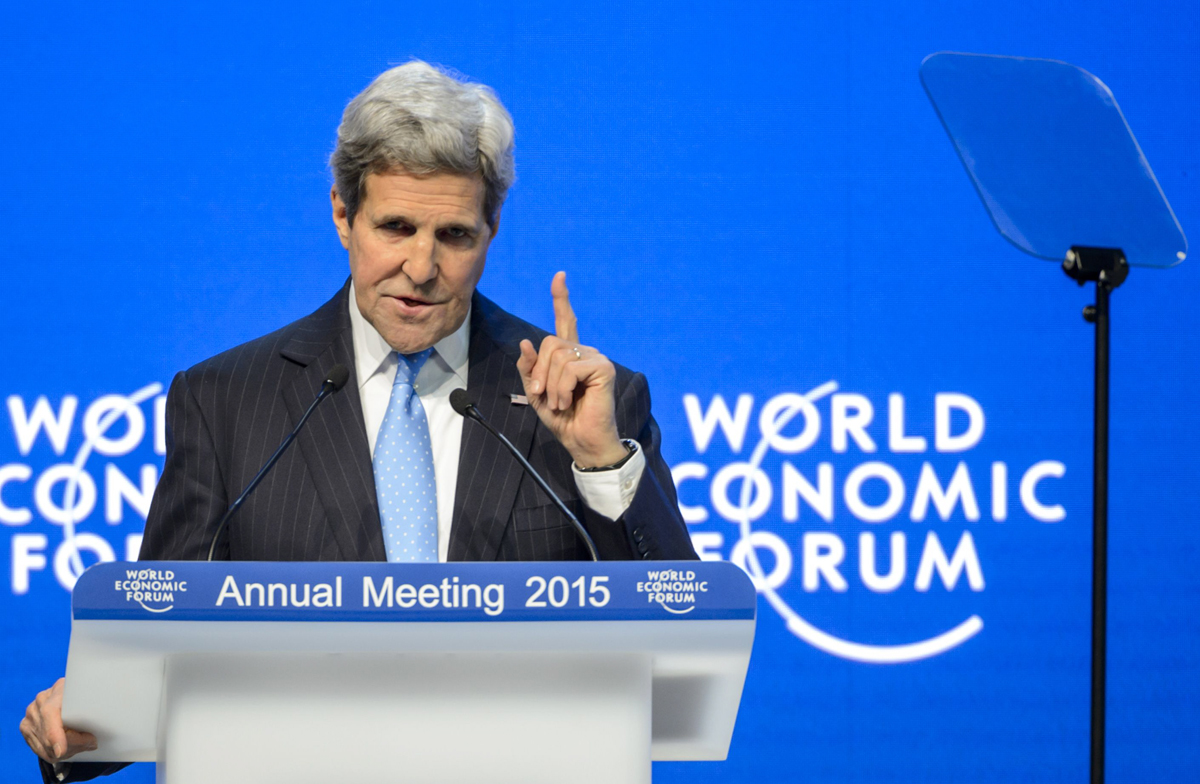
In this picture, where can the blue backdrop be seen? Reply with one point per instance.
(753, 202)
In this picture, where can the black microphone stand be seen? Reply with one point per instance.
(333, 382)
(462, 404)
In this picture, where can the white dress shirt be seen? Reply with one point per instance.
(607, 492)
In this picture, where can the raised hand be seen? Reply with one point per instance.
(571, 387)
(43, 728)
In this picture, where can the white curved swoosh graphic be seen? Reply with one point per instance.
(151, 609)
(677, 612)
(876, 654)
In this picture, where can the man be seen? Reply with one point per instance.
(385, 469)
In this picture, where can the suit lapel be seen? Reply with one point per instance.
(334, 441)
(488, 476)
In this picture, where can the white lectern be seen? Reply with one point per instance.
(467, 672)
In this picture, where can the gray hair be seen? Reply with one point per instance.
(423, 120)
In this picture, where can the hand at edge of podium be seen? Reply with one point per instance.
(43, 729)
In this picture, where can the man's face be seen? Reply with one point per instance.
(417, 248)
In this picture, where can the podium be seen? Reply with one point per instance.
(532, 672)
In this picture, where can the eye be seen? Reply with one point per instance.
(396, 227)
(456, 234)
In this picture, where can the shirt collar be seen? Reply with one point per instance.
(372, 354)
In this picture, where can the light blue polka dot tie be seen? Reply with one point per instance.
(403, 462)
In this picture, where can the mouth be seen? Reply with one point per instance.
(413, 305)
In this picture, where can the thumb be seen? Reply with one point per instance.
(56, 739)
(525, 365)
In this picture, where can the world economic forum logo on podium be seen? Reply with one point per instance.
(871, 551)
(675, 591)
(154, 589)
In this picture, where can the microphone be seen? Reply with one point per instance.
(460, 401)
(334, 380)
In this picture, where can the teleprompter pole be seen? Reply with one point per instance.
(1108, 268)
(1100, 534)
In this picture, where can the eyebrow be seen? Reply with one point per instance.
(454, 223)
(393, 218)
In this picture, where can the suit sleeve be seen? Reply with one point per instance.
(78, 771)
(191, 496)
(652, 528)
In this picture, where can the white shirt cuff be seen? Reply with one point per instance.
(610, 493)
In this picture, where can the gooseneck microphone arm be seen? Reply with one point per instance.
(334, 380)
(460, 401)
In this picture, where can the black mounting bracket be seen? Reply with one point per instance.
(1107, 267)
(1102, 265)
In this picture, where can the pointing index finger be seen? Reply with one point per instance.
(565, 325)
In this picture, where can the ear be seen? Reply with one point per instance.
(340, 219)
(495, 226)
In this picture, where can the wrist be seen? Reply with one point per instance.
(606, 457)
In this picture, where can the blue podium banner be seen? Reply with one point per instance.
(381, 592)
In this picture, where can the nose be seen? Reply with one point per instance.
(421, 264)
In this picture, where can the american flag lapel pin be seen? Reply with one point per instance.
(519, 400)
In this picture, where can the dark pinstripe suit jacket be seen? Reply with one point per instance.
(227, 415)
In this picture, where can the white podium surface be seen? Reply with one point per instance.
(462, 672)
